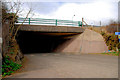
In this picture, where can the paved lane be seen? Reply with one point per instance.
(69, 66)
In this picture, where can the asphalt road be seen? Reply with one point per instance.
(69, 66)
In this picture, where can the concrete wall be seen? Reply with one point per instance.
(87, 42)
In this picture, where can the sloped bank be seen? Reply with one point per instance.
(87, 42)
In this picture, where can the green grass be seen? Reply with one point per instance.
(112, 53)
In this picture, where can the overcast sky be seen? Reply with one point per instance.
(93, 11)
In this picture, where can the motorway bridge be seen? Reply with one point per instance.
(46, 35)
(38, 35)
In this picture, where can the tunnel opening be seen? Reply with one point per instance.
(40, 42)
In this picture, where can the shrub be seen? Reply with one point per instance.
(111, 41)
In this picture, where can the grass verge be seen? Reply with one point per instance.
(112, 53)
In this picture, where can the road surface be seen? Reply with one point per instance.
(60, 65)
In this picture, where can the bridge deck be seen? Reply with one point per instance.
(46, 28)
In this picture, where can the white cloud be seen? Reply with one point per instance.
(93, 12)
(62, 0)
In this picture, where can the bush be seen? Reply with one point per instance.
(8, 66)
(111, 41)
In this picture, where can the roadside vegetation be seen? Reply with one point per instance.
(8, 66)
(12, 57)
(108, 33)
(111, 39)
(112, 53)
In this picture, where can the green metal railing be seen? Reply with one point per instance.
(56, 22)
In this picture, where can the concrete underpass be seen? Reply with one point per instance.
(44, 38)
(60, 39)
(42, 42)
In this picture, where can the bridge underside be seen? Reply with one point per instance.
(42, 42)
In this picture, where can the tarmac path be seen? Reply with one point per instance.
(58, 65)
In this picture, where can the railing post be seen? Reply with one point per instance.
(29, 21)
(56, 22)
(79, 23)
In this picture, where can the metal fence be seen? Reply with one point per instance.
(55, 22)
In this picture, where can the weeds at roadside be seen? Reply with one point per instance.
(8, 66)
(112, 53)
